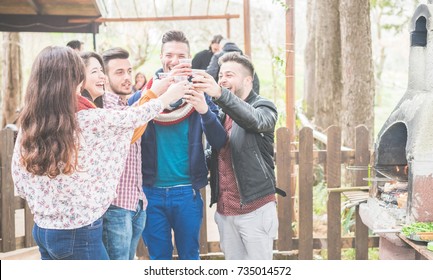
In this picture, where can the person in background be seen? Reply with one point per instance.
(76, 45)
(242, 173)
(69, 155)
(201, 59)
(173, 161)
(214, 68)
(140, 82)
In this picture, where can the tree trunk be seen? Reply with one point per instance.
(12, 77)
(327, 102)
(309, 60)
(357, 66)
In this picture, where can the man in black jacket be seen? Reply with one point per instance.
(201, 59)
(242, 172)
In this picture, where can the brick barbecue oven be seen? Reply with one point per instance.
(402, 191)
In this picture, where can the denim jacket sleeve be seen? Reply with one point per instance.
(259, 118)
(134, 98)
(212, 127)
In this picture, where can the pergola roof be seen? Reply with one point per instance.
(85, 16)
(48, 15)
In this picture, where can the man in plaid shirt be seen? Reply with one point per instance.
(125, 219)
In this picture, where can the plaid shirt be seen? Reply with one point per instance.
(129, 191)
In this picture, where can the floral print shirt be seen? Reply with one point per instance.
(76, 200)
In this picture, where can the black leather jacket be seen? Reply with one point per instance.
(251, 145)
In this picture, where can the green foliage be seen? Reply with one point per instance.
(320, 196)
(417, 227)
(279, 62)
(281, 121)
(395, 13)
(282, 3)
(347, 220)
(320, 193)
(350, 254)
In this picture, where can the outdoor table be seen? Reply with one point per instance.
(420, 247)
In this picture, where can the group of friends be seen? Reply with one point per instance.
(100, 168)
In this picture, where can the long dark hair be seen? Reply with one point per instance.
(48, 121)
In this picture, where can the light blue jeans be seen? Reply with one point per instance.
(122, 231)
(83, 243)
(179, 209)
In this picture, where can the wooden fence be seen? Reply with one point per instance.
(298, 185)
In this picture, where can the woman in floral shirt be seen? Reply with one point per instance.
(69, 156)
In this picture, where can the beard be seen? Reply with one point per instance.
(239, 93)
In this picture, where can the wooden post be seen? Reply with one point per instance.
(228, 28)
(290, 66)
(283, 159)
(7, 143)
(362, 158)
(306, 194)
(28, 227)
(333, 175)
(290, 84)
(247, 28)
(203, 229)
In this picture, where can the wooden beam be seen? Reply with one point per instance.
(208, 5)
(333, 174)
(35, 23)
(290, 66)
(36, 7)
(320, 156)
(306, 179)
(96, 6)
(168, 18)
(118, 9)
(228, 34)
(172, 7)
(285, 204)
(154, 7)
(227, 6)
(362, 158)
(190, 7)
(7, 202)
(136, 8)
(247, 28)
(318, 243)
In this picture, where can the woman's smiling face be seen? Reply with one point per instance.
(95, 78)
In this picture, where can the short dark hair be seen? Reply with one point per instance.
(85, 56)
(75, 44)
(216, 39)
(238, 58)
(114, 53)
(174, 36)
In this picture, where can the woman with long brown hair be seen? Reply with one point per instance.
(69, 156)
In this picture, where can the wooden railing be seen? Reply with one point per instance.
(303, 159)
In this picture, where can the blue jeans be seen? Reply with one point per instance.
(179, 209)
(122, 231)
(83, 243)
